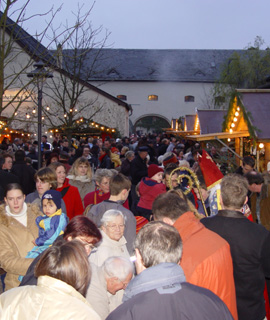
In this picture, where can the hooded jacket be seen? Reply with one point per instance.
(15, 241)
(149, 189)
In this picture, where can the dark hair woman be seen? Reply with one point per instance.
(18, 232)
(63, 277)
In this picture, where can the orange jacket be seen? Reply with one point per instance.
(207, 260)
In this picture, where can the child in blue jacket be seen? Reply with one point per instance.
(51, 224)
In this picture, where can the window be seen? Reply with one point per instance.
(122, 97)
(153, 97)
(189, 98)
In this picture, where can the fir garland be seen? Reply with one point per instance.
(246, 115)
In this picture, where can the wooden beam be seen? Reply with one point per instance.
(218, 135)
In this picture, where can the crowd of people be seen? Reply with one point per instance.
(136, 228)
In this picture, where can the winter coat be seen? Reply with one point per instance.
(50, 299)
(6, 178)
(250, 247)
(34, 198)
(83, 183)
(108, 248)
(138, 169)
(25, 173)
(149, 189)
(125, 168)
(103, 301)
(160, 292)
(15, 241)
(72, 200)
(105, 162)
(264, 206)
(207, 260)
(96, 213)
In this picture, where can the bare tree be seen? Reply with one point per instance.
(18, 51)
(71, 107)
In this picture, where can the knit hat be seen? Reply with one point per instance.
(171, 158)
(114, 149)
(53, 195)
(154, 169)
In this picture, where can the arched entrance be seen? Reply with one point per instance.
(151, 123)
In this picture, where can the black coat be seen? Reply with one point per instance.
(138, 169)
(26, 174)
(5, 179)
(250, 249)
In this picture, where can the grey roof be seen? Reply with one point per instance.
(258, 107)
(155, 65)
(28, 43)
(38, 52)
(211, 120)
(190, 122)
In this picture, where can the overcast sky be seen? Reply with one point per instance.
(168, 24)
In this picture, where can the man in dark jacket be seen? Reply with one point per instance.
(138, 170)
(160, 290)
(24, 172)
(250, 247)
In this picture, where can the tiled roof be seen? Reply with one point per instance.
(32, 46)
(155, 65)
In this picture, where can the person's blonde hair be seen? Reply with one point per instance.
(74, 169)
(66, 261)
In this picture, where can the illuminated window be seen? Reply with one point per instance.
(122, 97)
(189, 98)
(153, 97)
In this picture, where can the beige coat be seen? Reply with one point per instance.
(15, 241)
(102, 301)
(108, 248)
(50, 299)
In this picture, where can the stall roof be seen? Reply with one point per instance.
(219, 135)
(211, 120)
(257, 105)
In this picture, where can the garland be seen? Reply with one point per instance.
(246, 115)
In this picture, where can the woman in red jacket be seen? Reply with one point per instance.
(70, 194)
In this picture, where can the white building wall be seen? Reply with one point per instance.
(171, 97)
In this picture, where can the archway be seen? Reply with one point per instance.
(151, 123)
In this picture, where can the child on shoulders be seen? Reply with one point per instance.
(150, 187)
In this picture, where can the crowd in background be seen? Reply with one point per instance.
(98, 194)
